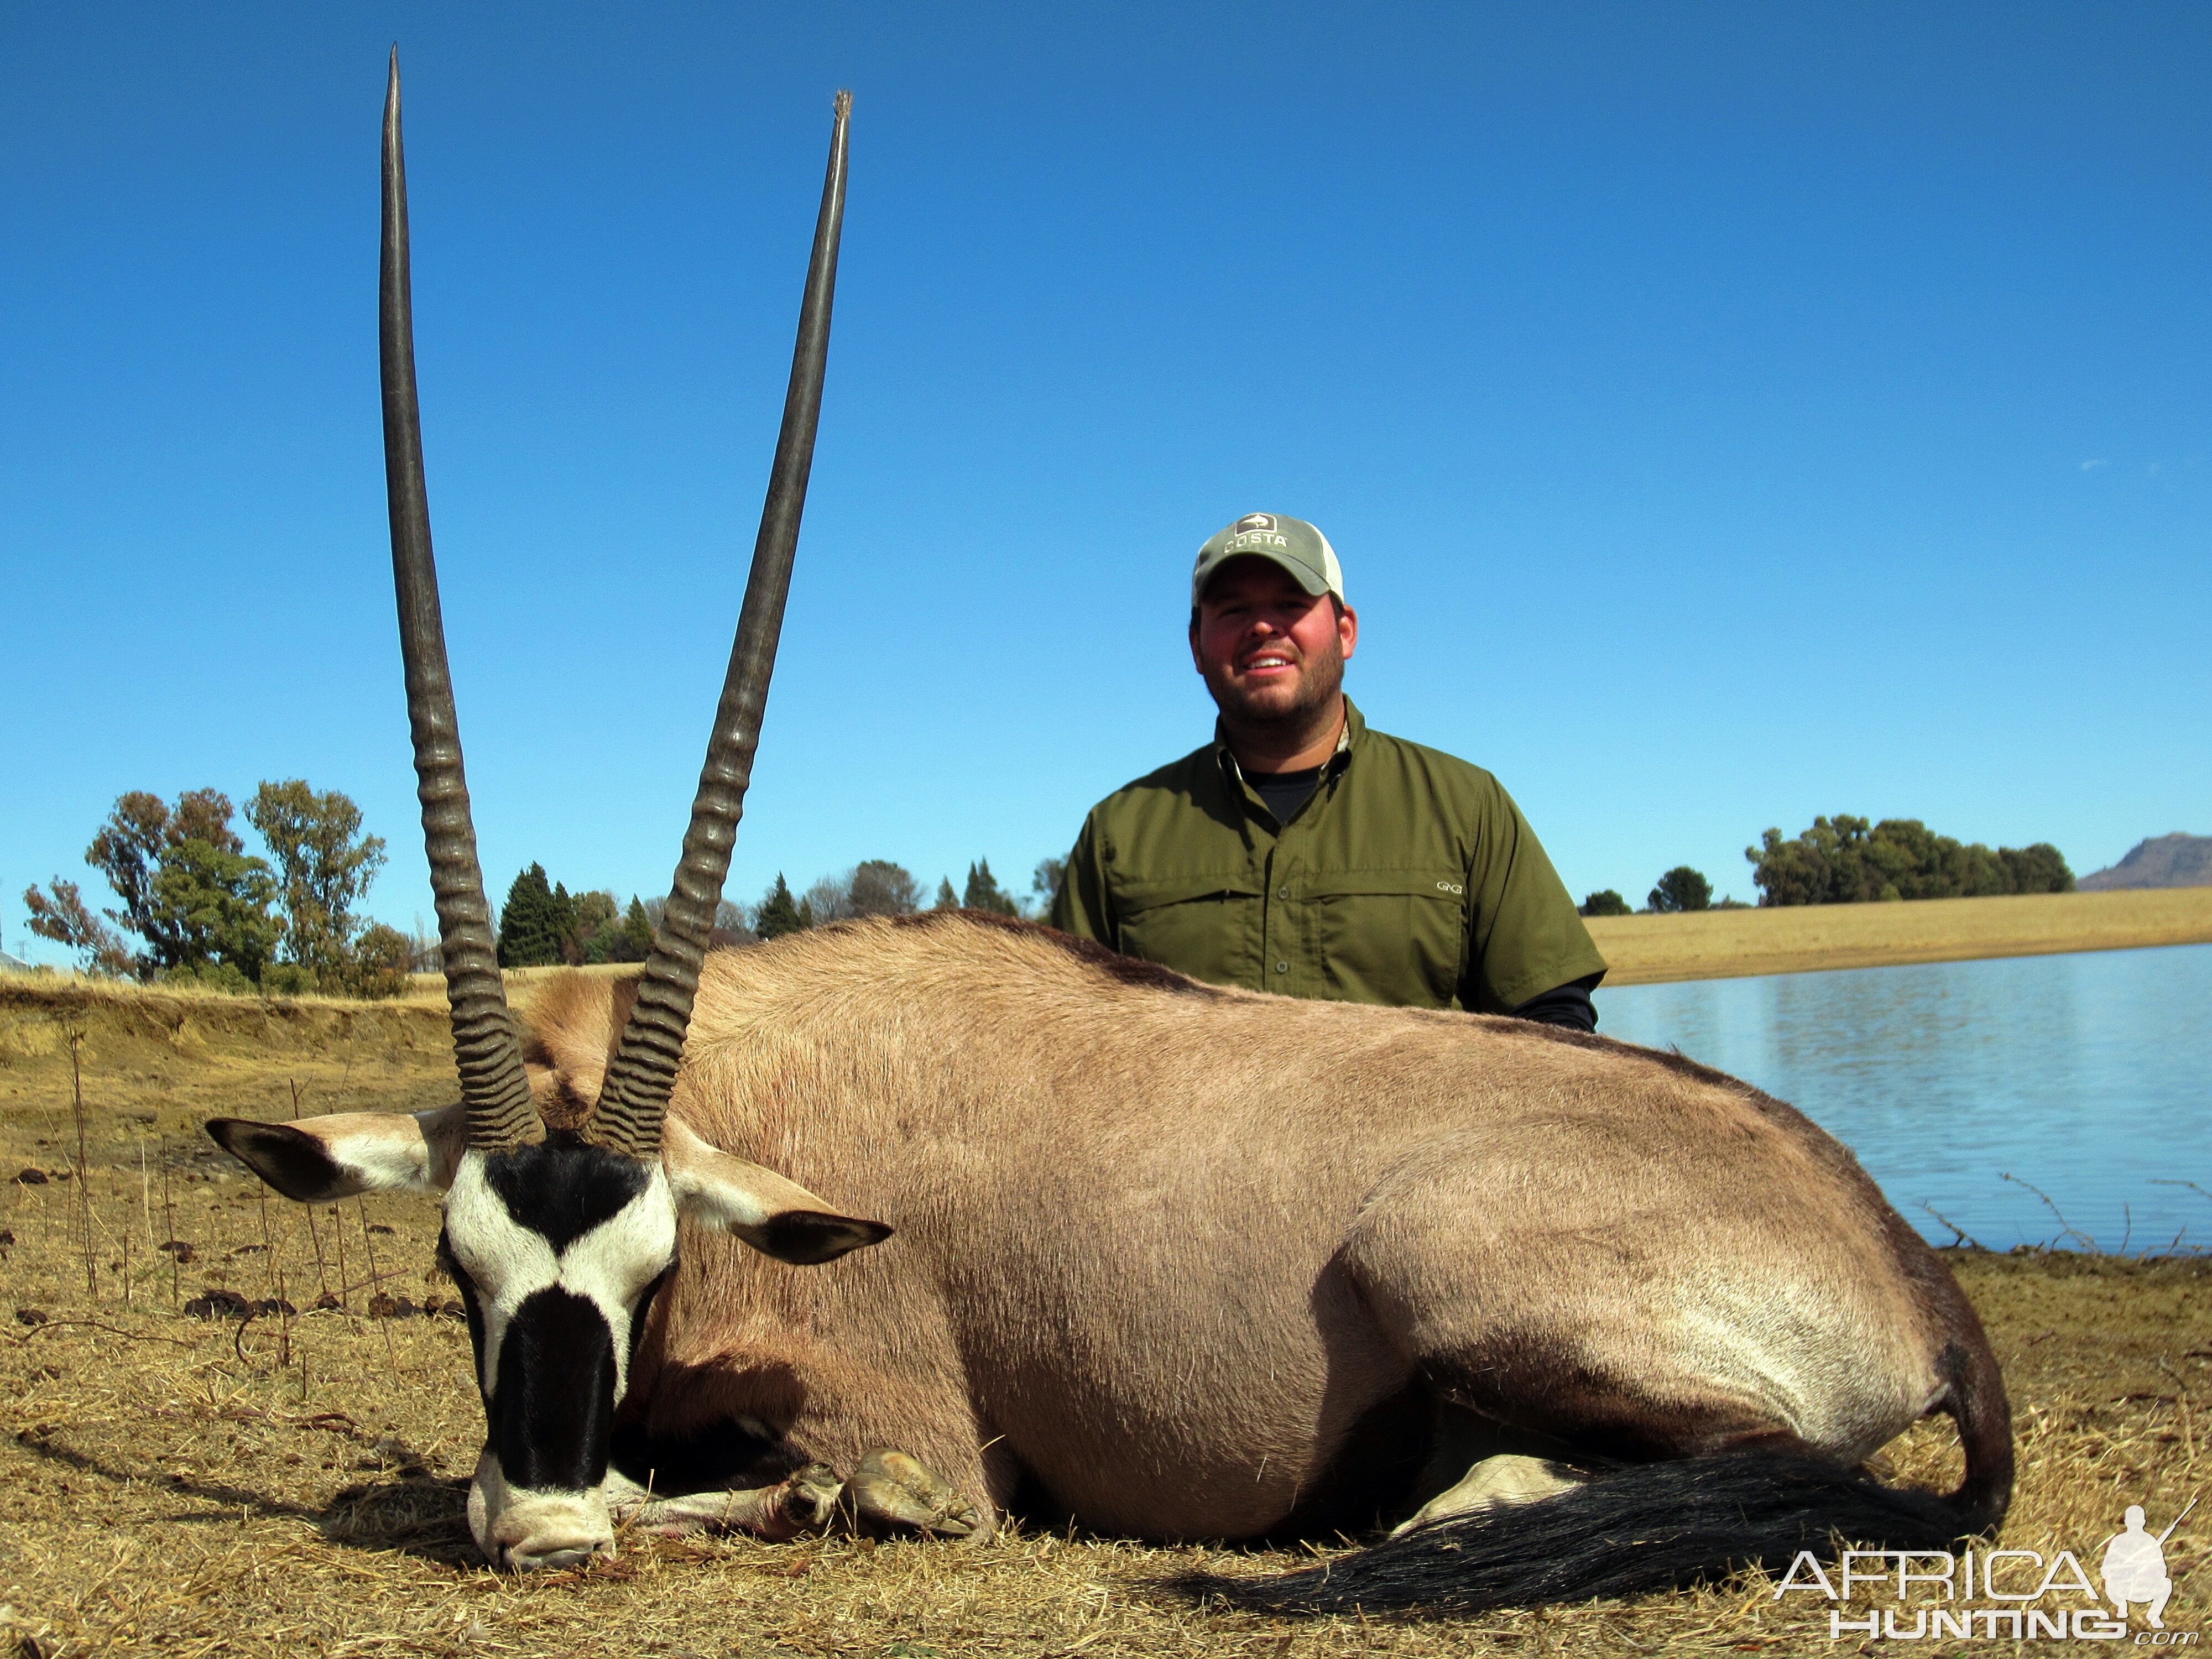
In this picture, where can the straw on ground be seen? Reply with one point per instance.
(257, 1483)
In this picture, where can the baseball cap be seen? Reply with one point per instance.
(1293, 544)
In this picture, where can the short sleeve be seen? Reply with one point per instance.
(1525, 937)
(1081, 906)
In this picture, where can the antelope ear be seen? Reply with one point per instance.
(320, 1159)
(776, 1217)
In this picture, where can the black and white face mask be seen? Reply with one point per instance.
(558, 1249)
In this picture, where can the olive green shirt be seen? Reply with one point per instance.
(1408, 878)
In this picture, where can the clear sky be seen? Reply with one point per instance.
(1724, 414)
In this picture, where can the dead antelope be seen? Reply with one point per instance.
(1170, 1261)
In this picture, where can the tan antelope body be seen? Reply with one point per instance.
(1159, 1248)
(1156, 1257)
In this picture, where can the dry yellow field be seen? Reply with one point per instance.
(431, 987)
(288, 1484)
(1731, 943)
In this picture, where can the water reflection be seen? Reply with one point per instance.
(2086, 1076)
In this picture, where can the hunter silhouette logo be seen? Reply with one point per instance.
(2134, 1566)
(2025, 1597)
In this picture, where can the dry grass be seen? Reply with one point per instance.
(288, 1483)
(1732, 944)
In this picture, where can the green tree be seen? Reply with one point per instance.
(1820, 866)
(2040, 868)
(637, 941)
(324, 866)
(186, 886)
(947, 898)
(560, 918)
(1604, 903)
(1045, 883)
(1850, 860)
(984, 893)
(376, 966)
(530, 922)
(207, 910)
(210, 908)
(128, 850)
(597, 925)
(60, 914)
(880, 887)
(873, 887)
(781, 914)
(1681, 889)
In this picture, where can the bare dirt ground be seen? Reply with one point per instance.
(264, 1483)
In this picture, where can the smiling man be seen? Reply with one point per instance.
(1303, 853)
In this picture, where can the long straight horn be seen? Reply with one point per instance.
(635, 1092)
(494, 1087)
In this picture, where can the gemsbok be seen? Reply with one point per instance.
(1170, 1260)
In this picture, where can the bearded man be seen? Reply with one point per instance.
(1303, 853)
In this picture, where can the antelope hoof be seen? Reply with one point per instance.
(807, 1501)
(890, 1489)
(1495, 1483)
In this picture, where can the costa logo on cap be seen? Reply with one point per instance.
(1292, 543)
(1256, 530)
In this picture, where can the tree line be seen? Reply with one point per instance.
(542, 924)
(1681, 888)
(1853, 860)
(196, 907)
(1848, 860)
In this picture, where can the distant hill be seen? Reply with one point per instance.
(2175, 861)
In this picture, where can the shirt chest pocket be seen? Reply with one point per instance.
(1201, 925)
(1394, 936)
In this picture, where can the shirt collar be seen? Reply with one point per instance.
(1348, 740)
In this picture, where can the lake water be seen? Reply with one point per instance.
(2086, 1076)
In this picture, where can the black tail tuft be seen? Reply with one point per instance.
(1650, 1527)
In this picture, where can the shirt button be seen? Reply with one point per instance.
(1282, 892)
(1282, 967)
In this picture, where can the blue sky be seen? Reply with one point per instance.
(1725, 414)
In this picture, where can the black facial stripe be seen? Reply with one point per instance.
(467, 1287)
(562, 1188)
(554, 1410)
(644, 1306)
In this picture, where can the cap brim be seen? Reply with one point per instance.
(1316, 582)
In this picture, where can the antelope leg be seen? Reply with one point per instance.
(805, 1502)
